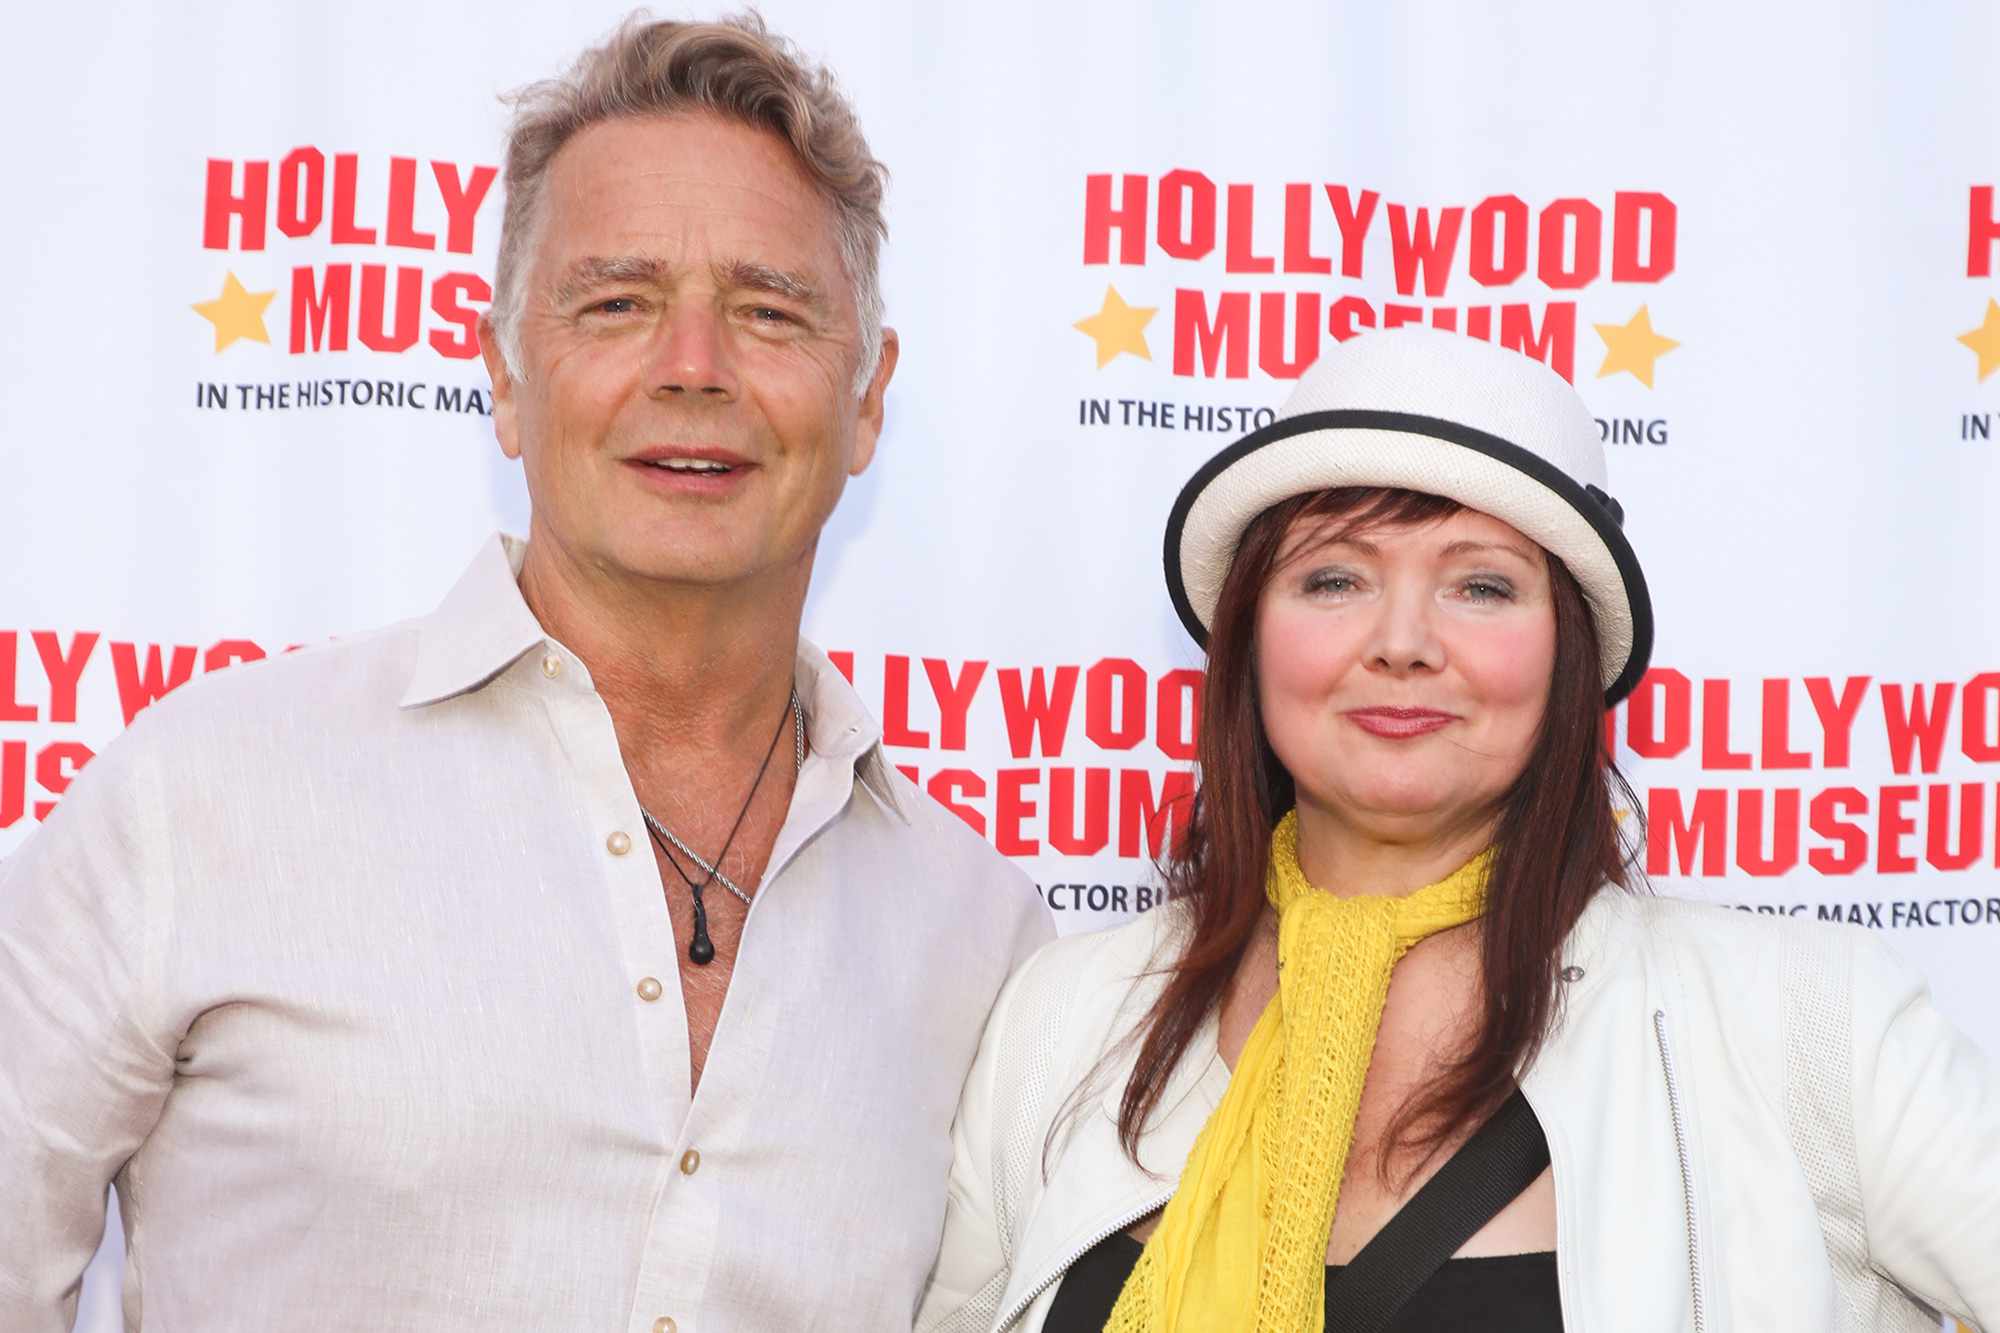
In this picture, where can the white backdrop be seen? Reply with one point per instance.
(241, 410)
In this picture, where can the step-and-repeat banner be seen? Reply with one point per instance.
(244, 410)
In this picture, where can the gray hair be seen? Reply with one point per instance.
(736, 69)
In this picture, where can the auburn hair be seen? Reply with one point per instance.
(1556, 841)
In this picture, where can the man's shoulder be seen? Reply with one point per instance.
(962, 878)
(340, 681)
(940, 834)
(232, 733)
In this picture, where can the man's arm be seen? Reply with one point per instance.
(84, 1068)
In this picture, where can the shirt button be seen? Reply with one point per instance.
(690, 1162)
(551, 666)
(619, 843)
(649, 989)
(664, 1324)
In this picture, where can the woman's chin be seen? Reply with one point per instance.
(1402, 811)
(1406, 809)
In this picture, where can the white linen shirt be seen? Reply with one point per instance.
(335, 963)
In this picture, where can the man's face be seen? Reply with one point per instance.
(689, 344)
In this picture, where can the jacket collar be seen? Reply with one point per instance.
(1590, 953)
(483, 626)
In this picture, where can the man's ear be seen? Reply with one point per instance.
(868, 429)
(503, 387)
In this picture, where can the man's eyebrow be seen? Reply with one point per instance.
(742, 275)
(594, 271)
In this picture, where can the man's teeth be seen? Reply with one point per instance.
(691, 465)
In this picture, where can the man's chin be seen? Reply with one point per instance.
(695, 567)
(691, 556)
(677, 569)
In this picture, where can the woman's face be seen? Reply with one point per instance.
(1403, 672)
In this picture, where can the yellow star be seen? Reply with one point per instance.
(1118, 327)
(1633, 347)
(236, 313)
(1985, 340)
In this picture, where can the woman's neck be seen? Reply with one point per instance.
(1344, 857)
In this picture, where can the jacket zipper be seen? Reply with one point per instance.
(1687, 1168)
(1029, 1298)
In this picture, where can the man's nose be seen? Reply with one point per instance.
(694, 358)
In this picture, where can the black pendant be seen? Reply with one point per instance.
(701, 949)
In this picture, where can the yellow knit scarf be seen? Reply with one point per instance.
(1242, 1244)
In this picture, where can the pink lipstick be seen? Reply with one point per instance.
(1399, 723)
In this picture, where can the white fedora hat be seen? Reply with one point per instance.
(1441, 413)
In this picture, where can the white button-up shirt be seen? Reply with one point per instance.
(341, 966)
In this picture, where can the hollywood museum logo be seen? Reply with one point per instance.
(1502, 269)
(315, 270)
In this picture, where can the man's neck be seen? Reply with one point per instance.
(680, 667)
(1348, 859)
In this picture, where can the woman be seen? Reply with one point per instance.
(1408, 980)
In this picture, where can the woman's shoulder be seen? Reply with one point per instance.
(1728, 933)
(1072, 999)
(1122, 950)
(1093, 972)
(1751, 962)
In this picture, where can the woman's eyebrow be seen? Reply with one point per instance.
(1467, 547)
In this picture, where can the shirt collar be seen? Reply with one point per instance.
(841, 726)
(483, 626)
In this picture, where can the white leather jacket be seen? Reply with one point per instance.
(1755, 1123)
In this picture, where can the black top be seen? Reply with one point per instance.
(1517, 1292)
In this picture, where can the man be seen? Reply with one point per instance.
(412, 982)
